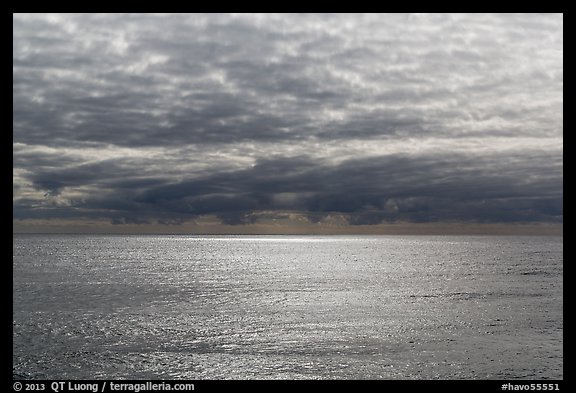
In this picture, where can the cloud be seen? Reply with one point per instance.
(141, 118)
(387, 188)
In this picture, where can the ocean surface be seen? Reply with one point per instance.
(287, 307)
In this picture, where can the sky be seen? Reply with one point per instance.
(287, 123)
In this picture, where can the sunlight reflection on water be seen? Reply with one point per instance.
(275, 307)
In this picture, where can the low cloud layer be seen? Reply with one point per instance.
(161, 119)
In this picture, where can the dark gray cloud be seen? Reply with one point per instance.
(145, 118)
(368, 191)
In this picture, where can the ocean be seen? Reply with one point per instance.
(287, 307)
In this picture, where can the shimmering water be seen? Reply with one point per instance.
(281, 307)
